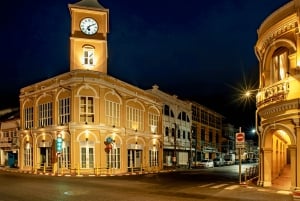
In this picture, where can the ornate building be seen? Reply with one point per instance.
(85, 121)
(177, 122)
(278, 113)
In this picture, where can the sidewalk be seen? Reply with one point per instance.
(283, 182)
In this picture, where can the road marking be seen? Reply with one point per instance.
(219, 186)
(284, 192)
(205, 185)
(232, 187)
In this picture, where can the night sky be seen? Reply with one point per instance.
(198, 50)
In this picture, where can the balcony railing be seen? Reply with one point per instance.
(274, 93)
(5, 139)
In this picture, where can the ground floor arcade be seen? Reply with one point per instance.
(89, 151)
(278, 150)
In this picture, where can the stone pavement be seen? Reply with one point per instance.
(283, 182)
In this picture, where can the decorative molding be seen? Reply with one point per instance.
(277, 109)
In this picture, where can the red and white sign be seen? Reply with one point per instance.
(239, 140)
(240, 137)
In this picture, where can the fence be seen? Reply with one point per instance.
(250, 173)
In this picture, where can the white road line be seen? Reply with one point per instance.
(205, 185)
(232, 187)
(284, 192)
(219, 186)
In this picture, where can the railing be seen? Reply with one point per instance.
(250, 173)
(273, 93)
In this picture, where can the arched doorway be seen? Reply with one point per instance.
(277, 157)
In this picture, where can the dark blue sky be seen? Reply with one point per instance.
(191, 48)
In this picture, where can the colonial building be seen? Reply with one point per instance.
(228, 140)
(9, 139)
(85, 121)
(277, 101)
(207, 129)
(177, 122)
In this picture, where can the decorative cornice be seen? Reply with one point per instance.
(280, 108)
(269, 35)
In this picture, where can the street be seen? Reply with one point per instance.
(214, 184)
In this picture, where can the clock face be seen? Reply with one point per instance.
(89, 26)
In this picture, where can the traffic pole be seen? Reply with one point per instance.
(240, 161)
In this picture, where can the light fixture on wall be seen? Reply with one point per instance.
(86, 135)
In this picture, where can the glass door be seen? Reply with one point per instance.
(134, 159)
(87, 156)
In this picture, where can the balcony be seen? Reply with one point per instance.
(5, 139)
(272, 94)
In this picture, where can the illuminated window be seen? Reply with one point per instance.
(45, 114)
(153, 157)
(28, 155)
(65, 156)
(87, 109)
(135, 118)
(87, 154)
(28, 117)
(64, 111)
(153, 122)
(112, 113)
(88, 55)
(280, 67)
(113, 158)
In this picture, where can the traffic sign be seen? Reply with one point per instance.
(240, 140)
(240, 137)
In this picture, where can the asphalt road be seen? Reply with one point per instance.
(216, 184)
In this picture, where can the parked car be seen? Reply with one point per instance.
(218, 162)
(206, 163)
(228, 162)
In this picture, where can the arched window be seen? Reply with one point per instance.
(167, 131)
(280, 64)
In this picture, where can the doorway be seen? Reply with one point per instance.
(134, 160)
(45, 157)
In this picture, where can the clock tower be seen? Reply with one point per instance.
(88, 40)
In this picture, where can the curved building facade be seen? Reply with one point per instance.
(278, 97)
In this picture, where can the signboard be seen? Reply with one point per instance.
(239, 140)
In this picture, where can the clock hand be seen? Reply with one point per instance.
(89, 26)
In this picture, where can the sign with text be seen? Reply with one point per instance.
(240, 140)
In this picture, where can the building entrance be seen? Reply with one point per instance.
(134, 160)
(45, 157)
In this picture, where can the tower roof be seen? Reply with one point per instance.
(89, 4)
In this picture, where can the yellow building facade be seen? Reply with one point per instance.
(277, 100)
(85, 121)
